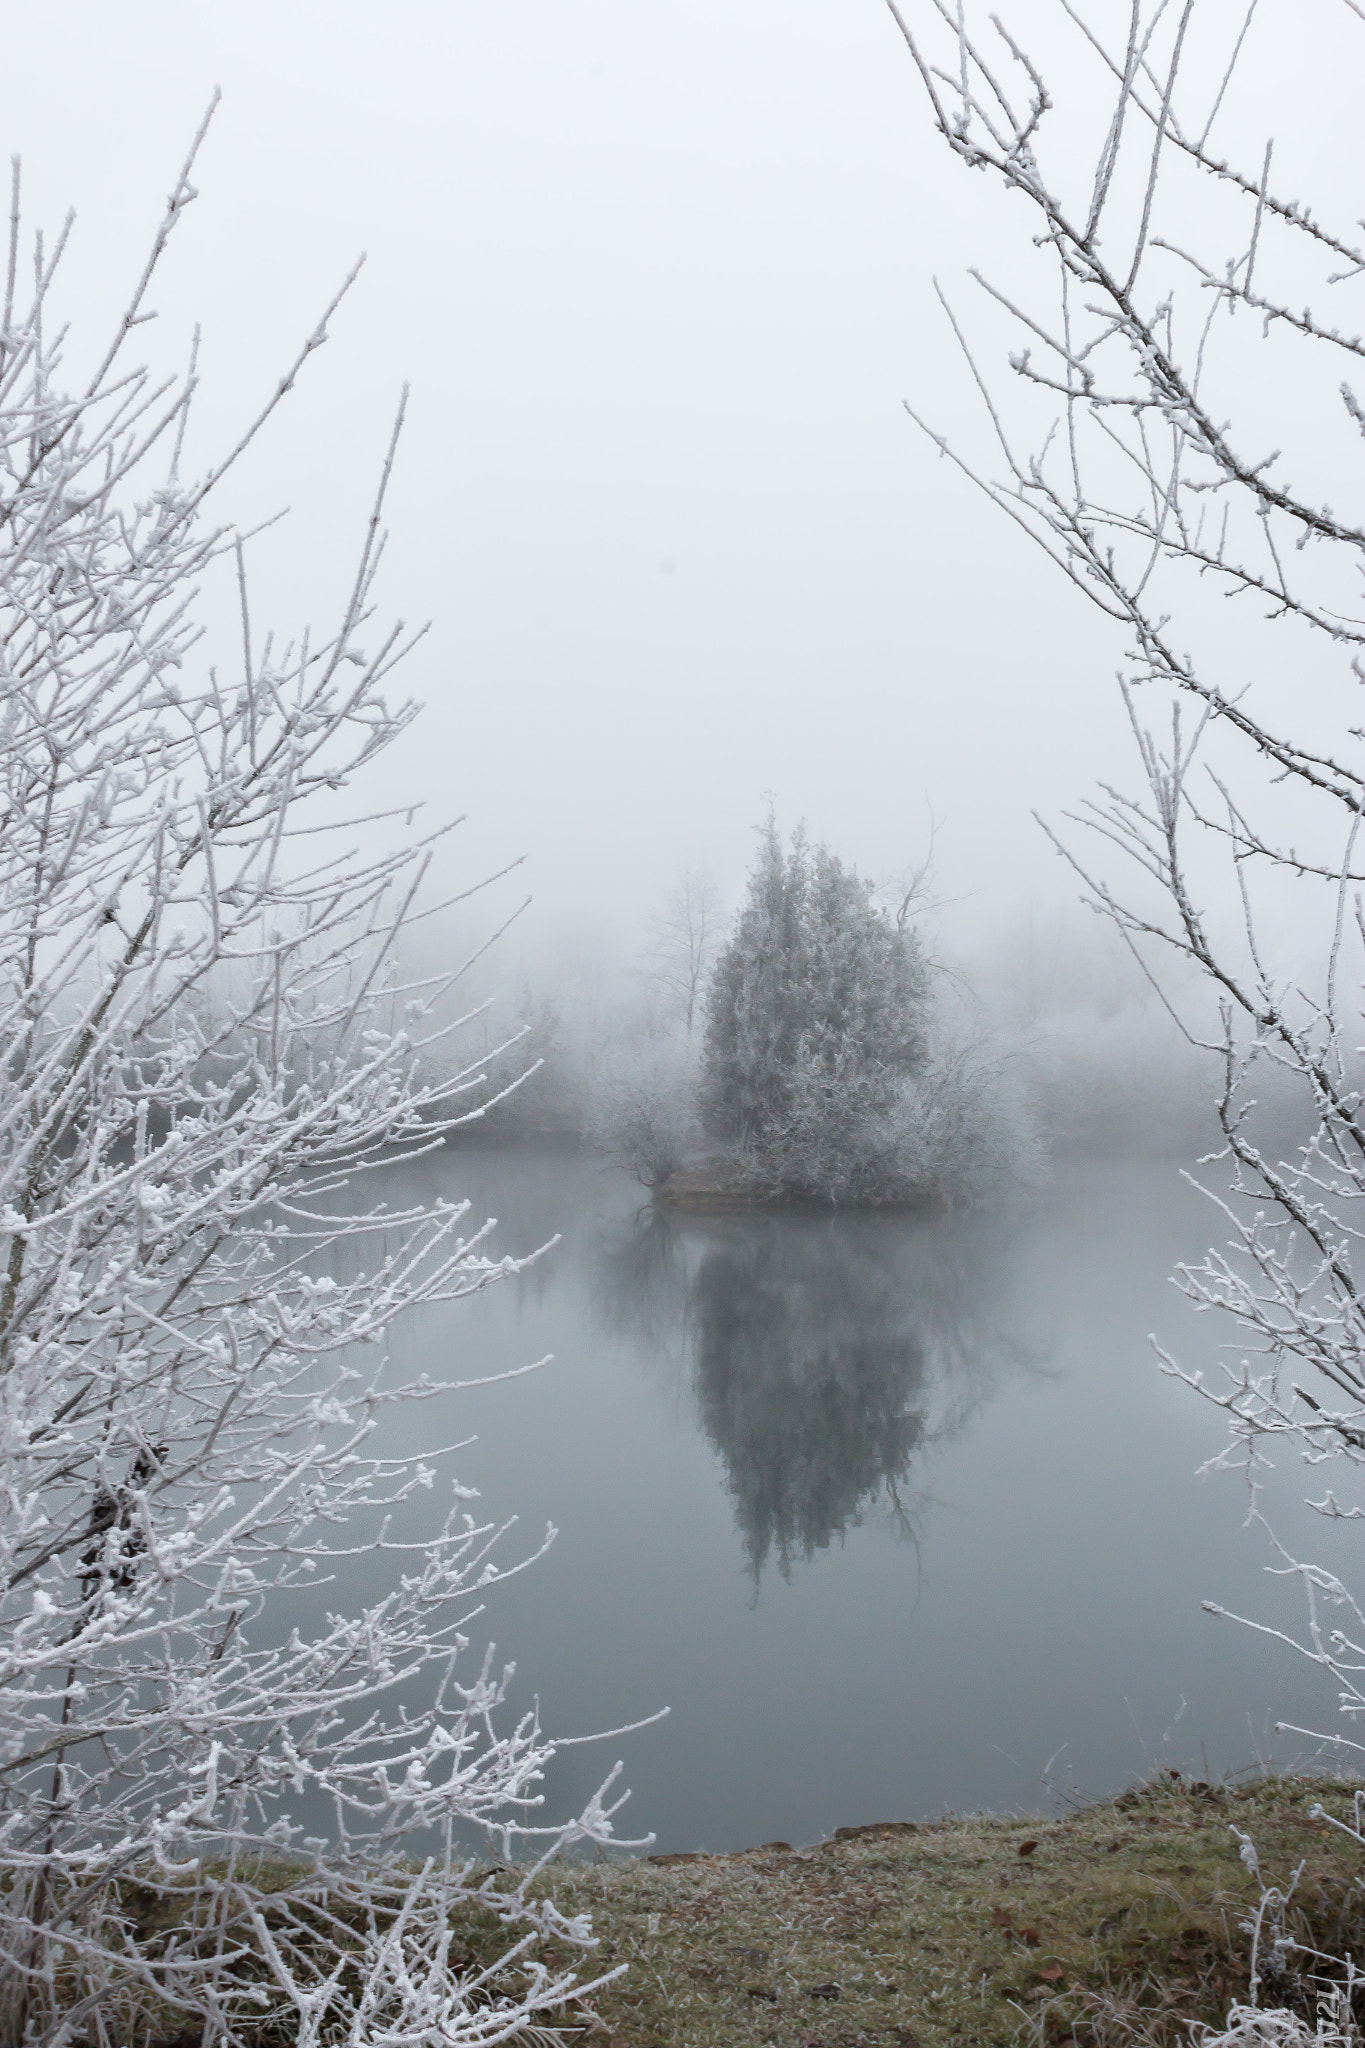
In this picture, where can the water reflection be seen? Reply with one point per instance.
(824, 1353)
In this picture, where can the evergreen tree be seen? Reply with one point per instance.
(815, 1022)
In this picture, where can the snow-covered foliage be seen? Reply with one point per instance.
(1257, 2026)
(966, 1128)
(829, 1073)
(1185, 423)
(815, 1022)
(205, 1047)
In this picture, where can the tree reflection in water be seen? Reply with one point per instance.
(824, 1353)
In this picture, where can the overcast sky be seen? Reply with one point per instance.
(659, 272)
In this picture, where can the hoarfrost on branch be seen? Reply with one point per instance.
(1184, 422)
(208, 1048)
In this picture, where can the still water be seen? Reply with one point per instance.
(895, 1515)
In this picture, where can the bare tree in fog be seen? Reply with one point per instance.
(1185, 419)
(683, 943)
(206, 1046)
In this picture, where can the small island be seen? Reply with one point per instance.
(823, 1074)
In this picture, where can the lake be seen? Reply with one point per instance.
(895, 1514)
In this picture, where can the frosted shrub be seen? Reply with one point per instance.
(825, 1070)
(966, 1127)
(205, 1046)
(643, 1109)
(1184, 337)
(1250, 2026)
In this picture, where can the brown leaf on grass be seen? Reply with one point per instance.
(1030, 1935)
(823, 1991)
(1001, 1918)
(1053, 1972)
(1027, 1848)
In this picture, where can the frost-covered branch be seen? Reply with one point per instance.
(1174, 434)
(207, 1047)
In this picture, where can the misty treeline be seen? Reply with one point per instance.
(829, 1040)
(804, 1049)
(1179, 429)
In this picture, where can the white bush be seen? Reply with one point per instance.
(643, 1109)
(205, 1047)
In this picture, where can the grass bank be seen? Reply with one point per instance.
(1117, 1924)
(1111, 1927)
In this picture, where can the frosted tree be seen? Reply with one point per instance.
(815, 1019)
(1184, 421)
(208, 1815)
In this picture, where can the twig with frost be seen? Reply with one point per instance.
(210, 1061)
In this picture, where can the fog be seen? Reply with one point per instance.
(662, 279)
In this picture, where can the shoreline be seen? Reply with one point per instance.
(699, 1193)
(1118, 1923)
